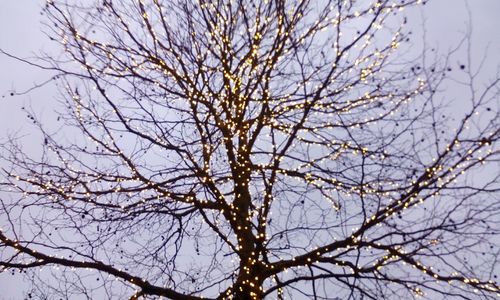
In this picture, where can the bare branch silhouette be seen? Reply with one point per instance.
(254, 149)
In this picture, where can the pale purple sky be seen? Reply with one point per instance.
(20, 34)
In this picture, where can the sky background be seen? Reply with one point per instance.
(445, 22)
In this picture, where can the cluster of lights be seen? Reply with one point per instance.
(228, 112)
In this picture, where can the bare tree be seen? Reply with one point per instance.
(254, 149)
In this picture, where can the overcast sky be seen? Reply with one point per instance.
(20, 34)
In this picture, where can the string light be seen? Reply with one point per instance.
(251, 118)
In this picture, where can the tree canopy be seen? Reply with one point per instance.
(241, 149)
